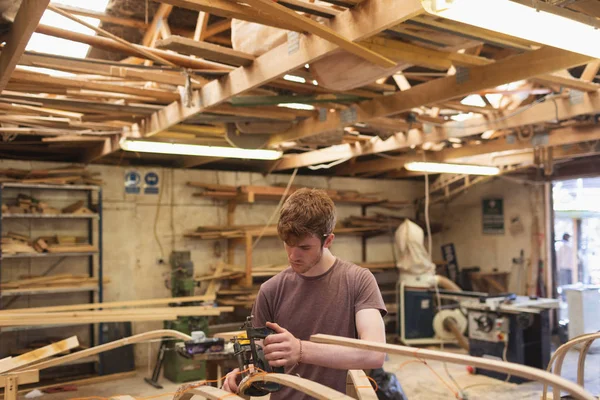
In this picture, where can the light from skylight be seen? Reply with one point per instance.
(52, 45)
(473, 100)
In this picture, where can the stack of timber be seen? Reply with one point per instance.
(250, 193)
(240, 231)
(384, 222)
(52, 281)
(15, 243)
(39, 354)
(124, 311)
(57, 176)
(25, 204)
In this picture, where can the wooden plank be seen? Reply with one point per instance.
(104, 17)
(26, 21)
(23, 378)
(139, 49)
(499, 366)
(354, 25)
(113, 345)
(278, 11)
(114, 304)
(229, 9)
(41, 354)
(571, 83)
(590, 71)
(43, 79)
(201, 24)
(84, 381)
(205, 50)
(110, 45)
(523, 66)
(206, 392)
(159, 17)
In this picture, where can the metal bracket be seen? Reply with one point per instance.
(293, 42)
(348, 115)
(462, 74)
(322, 114)
(540, 139)
(575, 97)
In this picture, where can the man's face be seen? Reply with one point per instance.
(303, 253)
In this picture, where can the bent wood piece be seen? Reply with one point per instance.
(314, 389)
(559, 356)
(157, 334)
(358, 385)
(208, 392)
(40, 354)
(500, 366)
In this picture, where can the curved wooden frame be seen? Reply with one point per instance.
(545, 377)
(559, 357)
(314, 389)
(208, 392)
(358, 386)
(108, 346)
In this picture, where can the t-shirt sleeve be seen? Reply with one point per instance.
(261, 310)
(368, 294)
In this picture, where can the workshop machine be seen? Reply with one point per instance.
(177, 367)
(434, 310)
(251, 358)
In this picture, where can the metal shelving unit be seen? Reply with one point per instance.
(94, 226)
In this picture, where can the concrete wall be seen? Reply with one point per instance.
(462, 220)
(141, 229)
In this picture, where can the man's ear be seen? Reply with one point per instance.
(329, 241)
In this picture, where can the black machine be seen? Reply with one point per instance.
(251, 359)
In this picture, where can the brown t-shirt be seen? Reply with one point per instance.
(325, 304)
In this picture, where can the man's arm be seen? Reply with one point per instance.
(283, 349)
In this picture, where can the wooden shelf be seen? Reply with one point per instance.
(242, 232)
(48, 290)
(32, 327)
(251, 197)
(49, 216)
(18, 185)
(47, 255)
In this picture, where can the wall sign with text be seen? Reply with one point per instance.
(493, 216)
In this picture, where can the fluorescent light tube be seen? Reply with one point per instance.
(514, 19)
(445, 168)
(294, 78)
(297, 106)
(198, 150)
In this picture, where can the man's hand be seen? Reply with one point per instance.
(281, 348)
(230, 384)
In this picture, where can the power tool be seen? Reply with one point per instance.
(251, 358)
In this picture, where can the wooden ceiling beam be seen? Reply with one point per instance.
(99, 67)
(557, 137)
(205, 50)
(590, 71)
(526, 115)
(522, 66)
(43, 80)
(357, 24)
(229, 9)
(292, 18)
(27, 19)
(110, 45)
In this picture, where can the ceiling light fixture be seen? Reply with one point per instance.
(544, 24)
(446, 168)
(294, 78)
(297, 106)
(198, 150)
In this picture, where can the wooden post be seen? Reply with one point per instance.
(248, 279)
(10, 390)
(231, 205)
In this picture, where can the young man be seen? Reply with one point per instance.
(318, 293)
